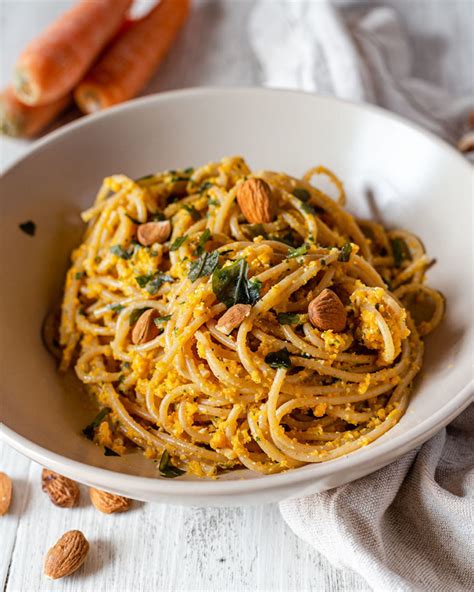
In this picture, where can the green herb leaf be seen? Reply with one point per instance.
(301, 193)
(189, 171)
(79, 275)
(178, 242)
(109, 452)
(214, 202)
(167, 469)
(144, 178)
(205, 186)
(116, 307)
(159, 320)
(345, 253)
(401, 252)
(195, 215)
(288, 318)
(121, 252)
(89, 430)
(279, 359)
(299, 252)
(231, 285)
(28, 227)
(158, 280)
(205, 236)
(136, 314)
(158, 217)
(308, 208)
(203, 266)
(153, 281)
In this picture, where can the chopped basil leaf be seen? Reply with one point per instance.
(299, 252)
(79, 275)
(231, 285)
(158, 217)
(301, 193)
(116, 307)
(144, 178)
(288, 318)
(178, 242)
(109, 452)
(28, 227)
(195, 215)
(167, 469)
(189, 171)
(163, 319)
(278, 359)
(156, 281)
(178, 178)
(401, 252)
(142, 280)
(89, 430)
(136, 314)
(203, 266)
(205, 236)
(308, 208)
(214, 202)
(206, 185)
(121, 252)
(345, 253)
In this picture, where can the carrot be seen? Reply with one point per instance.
(17, 119)
(130, 62)
(54, 62)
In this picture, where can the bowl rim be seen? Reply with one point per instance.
(368, 458)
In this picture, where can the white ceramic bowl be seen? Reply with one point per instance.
(417, 181)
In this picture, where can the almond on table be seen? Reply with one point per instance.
(6, 492)
(67, 555)
(108, 503)
(63, 492)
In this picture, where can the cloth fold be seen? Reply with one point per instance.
(410, 525)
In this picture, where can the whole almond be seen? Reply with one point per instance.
(67, 555)
(466, 143)
(63, 492)
(326, 311)
(153, 232)
(232, 318)
(108, 503)
(145, 328)
(254, 197)
(6, 489)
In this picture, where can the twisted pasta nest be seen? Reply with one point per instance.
(273, 385)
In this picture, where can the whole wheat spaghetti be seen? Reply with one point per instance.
(225, 319)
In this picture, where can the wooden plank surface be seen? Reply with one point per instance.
(156, 546)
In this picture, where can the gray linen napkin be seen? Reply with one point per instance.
(410, 525)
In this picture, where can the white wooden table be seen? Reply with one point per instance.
(162, 547)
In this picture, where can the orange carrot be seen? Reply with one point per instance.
(17, 119)
(55, 61)
(129, 63)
